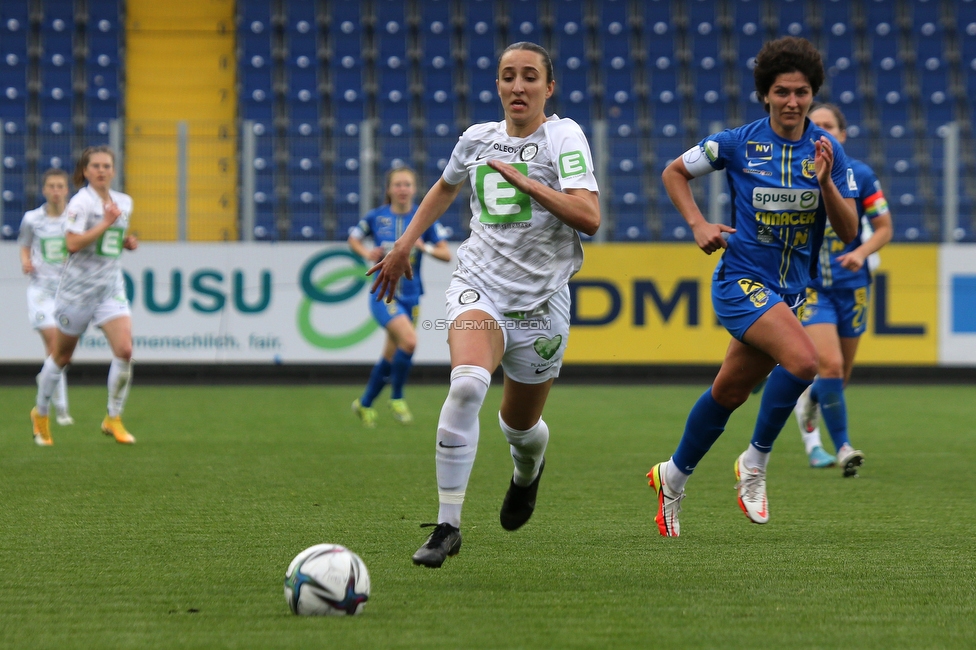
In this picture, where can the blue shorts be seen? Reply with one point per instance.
(740, 302)
(846, 309)
(384, 311)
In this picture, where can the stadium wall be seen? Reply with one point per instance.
(635, 305)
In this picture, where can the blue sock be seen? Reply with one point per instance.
(401, 368)
(705, 424)
(778, 400)
(377, 380)
(833, 406)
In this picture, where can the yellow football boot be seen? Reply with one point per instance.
(114, 427)
(42, 429)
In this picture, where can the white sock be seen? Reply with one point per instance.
(47, 383)
(457, 439)
(755, 458)
(811, 440)
(528, 448)
(119, 380)
(60, 397)
(674, 478)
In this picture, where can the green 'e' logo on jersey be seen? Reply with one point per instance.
(502, 202)
(53, 249)
(110, 243)
(572, 164)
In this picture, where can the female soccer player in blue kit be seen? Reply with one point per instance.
(384, 225)
(787, 177)
(835, 312)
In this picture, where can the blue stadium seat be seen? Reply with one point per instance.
(523, 21)
(302, 46)
(451, 222)
(305, 208)
(572, 66)
(394, 151)
(792, 18)
(569, 30)
(749, 32)
(884, 42)
(13, 76)
(480, 38)
(614, 31)
(435, 31)
(301, 18)
(856, 147)
(835, 11)
(893, 109)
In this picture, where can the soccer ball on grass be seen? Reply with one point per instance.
(327, 580)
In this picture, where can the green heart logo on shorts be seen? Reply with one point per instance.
(545, 348)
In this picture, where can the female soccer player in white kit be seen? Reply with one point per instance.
(533, 191)
(42, 255)
(92, 289)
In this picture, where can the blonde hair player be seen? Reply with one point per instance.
(533, 192)
(42, 256)
(92, 290)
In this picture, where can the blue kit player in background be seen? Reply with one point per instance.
(787, 177)
(836, 309)
(399, 317)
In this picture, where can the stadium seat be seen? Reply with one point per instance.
(614, 30)
(569, 31)
(523, 20)
(572, 97)
(750, 34)
(791, 18)
(435, 32)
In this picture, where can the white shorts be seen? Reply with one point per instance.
(74, 319)
(534, 342)
(40, 308)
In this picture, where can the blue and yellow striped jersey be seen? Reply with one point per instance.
(777, 210)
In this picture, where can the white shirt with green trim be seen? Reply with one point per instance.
(518, 253)
(94, 273)
(44, 236)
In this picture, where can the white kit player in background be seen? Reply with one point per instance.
(42, 255)
(533, 192)
(92, 290)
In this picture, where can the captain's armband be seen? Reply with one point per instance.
(697, 162)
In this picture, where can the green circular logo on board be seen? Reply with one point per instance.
(337, 285)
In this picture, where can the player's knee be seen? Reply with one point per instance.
(806, 367)
(408, 343)
(469, 384)
(124, 352)
(831, 367)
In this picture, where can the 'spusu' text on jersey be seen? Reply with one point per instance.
(518, 252)
(777, 209)
(385, 226)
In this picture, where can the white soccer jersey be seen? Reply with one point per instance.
(518, 251)
(44, 236)
(94, 273)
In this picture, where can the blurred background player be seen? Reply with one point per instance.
(835, 313)
(533, 191)
(42, 255)
(399, 317)
(92, 289)
(788, 177)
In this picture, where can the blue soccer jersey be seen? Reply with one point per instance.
(871, 204)
(777, 209)
(385, 227)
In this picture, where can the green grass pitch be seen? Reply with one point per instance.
(183, 539)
